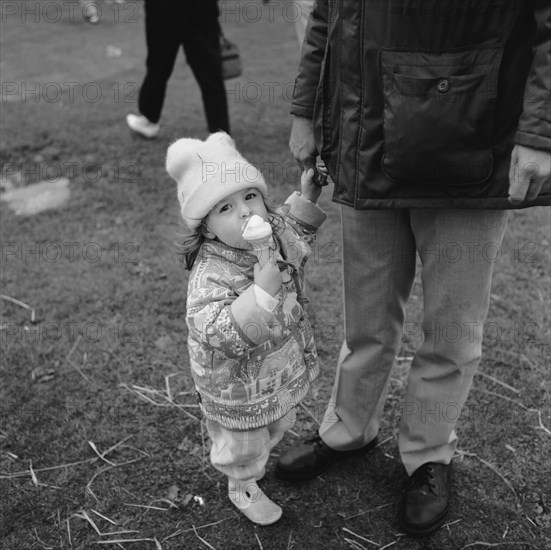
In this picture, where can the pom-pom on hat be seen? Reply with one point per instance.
(208, 171)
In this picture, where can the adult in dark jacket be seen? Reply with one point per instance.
(432, 117)
(194, 25)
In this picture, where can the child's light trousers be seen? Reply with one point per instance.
(242, 456)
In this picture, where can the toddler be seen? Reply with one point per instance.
(251, 347)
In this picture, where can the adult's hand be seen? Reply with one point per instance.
(302, 143)
(529, 169)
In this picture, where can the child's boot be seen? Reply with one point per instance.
(253, 502)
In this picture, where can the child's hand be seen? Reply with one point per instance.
(268, 278)
(309, 189)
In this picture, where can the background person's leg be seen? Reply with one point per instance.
(162, 49)
(378, 271)
(202, 49)
(458, 250)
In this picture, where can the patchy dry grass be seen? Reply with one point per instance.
(102, 445)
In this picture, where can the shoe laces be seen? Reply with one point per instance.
(424, 477)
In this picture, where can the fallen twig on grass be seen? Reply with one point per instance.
(95, 449)
(528, 409)
(26, 472)
(32, 472)
(84, 515)
(103, 517)
(71, 364)
(111, 464)
(138, 390)
(259, 543)
(167, 385)
(447, 525)
(181, 531)
(169, 502)
(494, 544)
(381, 443)
(359, 536)
(354, 544)
(202, 540)
(367, 511)
(74, 347)
(35, 481)
(309, 413)
(504, 397)
(541, 426)
(290, 541)
(20, 304)
(497, 381)
(69, 532)
(105, 453)
(44, 546)
(146, 506)
(388, 545)
(89, 484)
(492, 467)
(33, 475)
(120, 541)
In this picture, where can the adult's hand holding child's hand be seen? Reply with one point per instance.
(302, 143)
(309, 189)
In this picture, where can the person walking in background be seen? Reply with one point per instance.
(194, 25)
(89, 11)
(432, 117)
(252, 350)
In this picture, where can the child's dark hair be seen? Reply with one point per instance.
(190, 247)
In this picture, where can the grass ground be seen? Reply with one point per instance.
(99, 430)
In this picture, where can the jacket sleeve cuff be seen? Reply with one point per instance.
(305, 212)
(533, 140)
(299, 110)
(264, 300)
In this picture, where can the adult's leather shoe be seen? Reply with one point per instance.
(426, 499)
(312, 457)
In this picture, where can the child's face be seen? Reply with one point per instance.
(225, 221)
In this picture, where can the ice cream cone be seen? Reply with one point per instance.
(264, 250)
(259, 233)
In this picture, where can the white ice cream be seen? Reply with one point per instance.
(256, 228)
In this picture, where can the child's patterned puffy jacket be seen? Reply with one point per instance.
(251, 374)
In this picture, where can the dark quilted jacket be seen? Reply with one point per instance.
(418, 103)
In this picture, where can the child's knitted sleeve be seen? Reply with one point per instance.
(212, 308)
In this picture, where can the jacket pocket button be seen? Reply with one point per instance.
(443, 86)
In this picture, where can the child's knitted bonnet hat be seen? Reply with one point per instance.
(208, 171)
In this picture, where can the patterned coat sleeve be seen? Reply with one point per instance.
(305, 216)
(211, 304)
